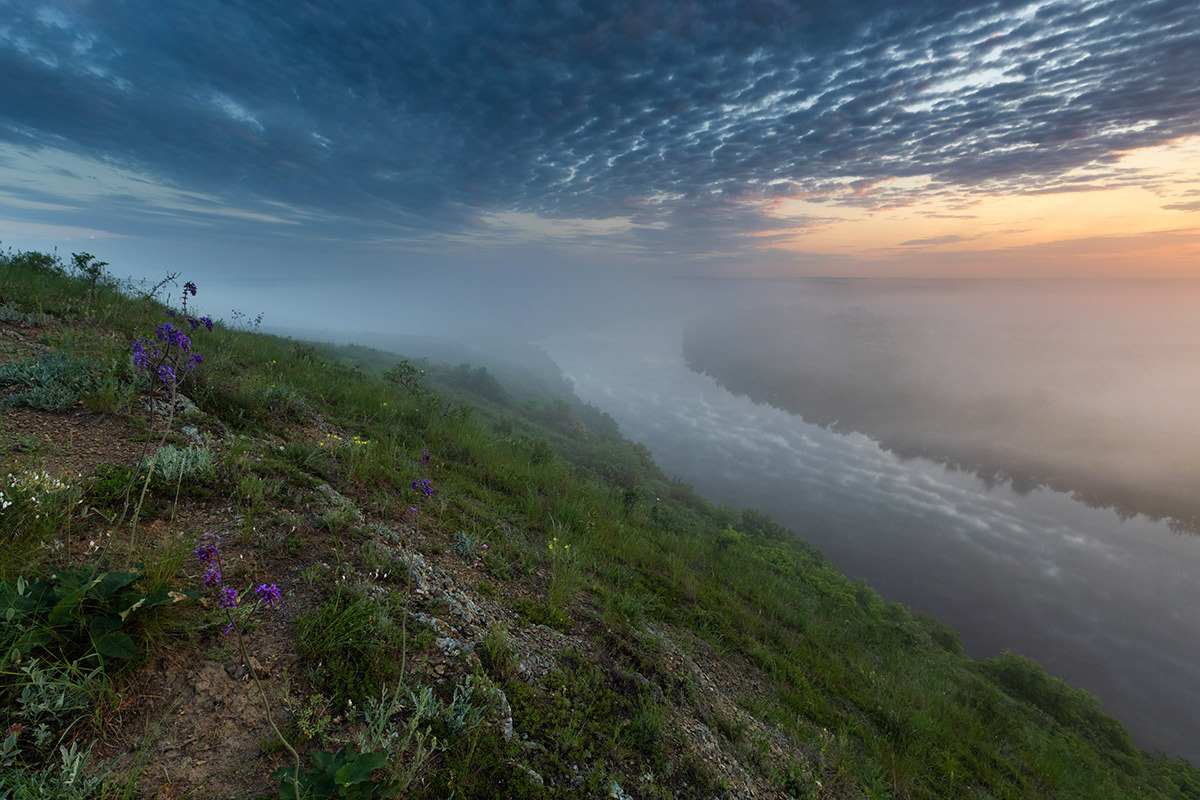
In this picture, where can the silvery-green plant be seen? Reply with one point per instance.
(72, 778)
(465, 544)
(176, 463)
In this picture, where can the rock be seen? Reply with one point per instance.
(534, 777)
(339, 500)
(259, 670)
(184, 407)
(504, 711)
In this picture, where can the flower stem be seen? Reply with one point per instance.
(266, 702)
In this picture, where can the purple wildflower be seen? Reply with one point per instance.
(423, 485)
(270, 594)
(414, 510)
(213, 577)
(229, 597)
(189, 288)
(173, 336)
(208, 547)
(425, 457)
(225, 631)
(166, 374)
(170, 312)
(140, 359)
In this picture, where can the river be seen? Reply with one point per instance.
(1111, 605)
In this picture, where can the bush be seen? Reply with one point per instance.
(44, 263)
(1024, 679)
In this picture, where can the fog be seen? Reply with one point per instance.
(1088, 387)
(934, 438)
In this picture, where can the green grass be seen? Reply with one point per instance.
(348, 642)
(876, 701)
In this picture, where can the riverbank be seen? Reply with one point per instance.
(548, 613)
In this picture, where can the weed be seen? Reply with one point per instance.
(498, 566)
(347, 640)
(543, 614)
(15, 316)
(78, 613)
(173, 464)
(50, 383)
(496, 655)
(337, 520)
(108, 484)
(73, 777)
(33, 505)
(564, 569)
(345, 774)
(313, 573)
(209, 553)
(409, 745)
(311, 718)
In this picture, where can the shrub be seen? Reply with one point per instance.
(1025, 679)
(31, 261)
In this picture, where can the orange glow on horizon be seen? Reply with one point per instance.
(1121, 226)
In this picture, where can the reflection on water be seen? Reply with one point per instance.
(1110, 605)
(1091, 388)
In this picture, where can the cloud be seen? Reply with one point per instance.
(422, 119)
(937, 240)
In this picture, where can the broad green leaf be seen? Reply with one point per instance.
(68, 604)
(360, 769)
(115, 581)
(116, 645)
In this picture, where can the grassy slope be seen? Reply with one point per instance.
(872, 700)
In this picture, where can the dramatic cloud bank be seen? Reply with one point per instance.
(680, 125)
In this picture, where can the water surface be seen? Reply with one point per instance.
(1111, 605)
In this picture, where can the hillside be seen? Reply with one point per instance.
(234, 560)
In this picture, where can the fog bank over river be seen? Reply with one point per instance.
(1087, 387)
(1110, 604)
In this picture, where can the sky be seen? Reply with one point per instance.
(273, 143)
